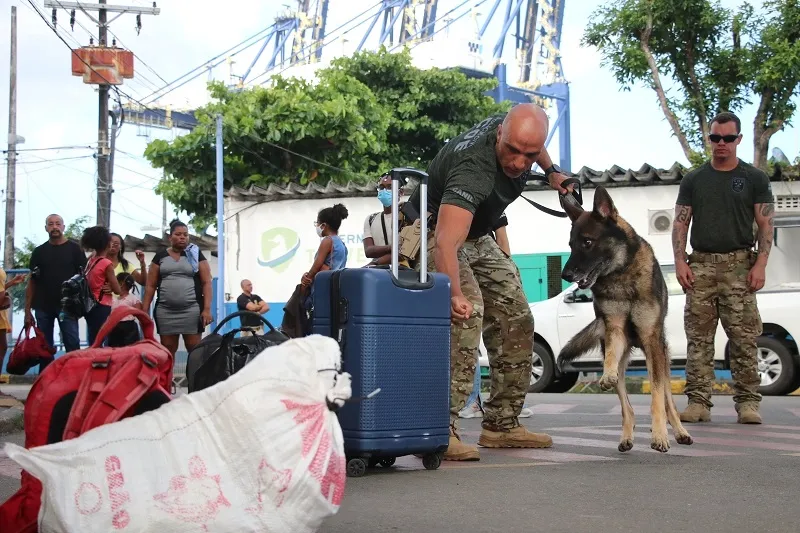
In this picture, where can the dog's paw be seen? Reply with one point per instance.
(684, 438)
(609, 381)
(625, 445)
(659, 443)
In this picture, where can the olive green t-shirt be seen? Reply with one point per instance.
(722, 205)
(465, 173)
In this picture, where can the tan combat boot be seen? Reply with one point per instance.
(517, 437)
(696, 412)
(748, 413)
(458, 451)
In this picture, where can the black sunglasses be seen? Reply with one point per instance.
(715, 138)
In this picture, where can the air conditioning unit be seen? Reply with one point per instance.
(659, 221)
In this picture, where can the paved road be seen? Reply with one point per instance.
(734, 478)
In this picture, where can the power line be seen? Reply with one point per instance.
(84, 147)
(204, 65)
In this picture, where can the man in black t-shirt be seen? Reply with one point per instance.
(472, 180)
(247, 301)
(722, 199)
(51, 264)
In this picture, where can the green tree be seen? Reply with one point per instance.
(775, 64)
(700, 58)
(22, 257)
(427, 106)
(362, 116)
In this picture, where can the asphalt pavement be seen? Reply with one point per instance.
(733, 478)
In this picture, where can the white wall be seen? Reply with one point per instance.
(284, 229)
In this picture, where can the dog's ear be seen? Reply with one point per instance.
(570, 206)
(603, 204)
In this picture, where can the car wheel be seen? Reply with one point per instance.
(543, 369)
(564, 383)
(777, 367)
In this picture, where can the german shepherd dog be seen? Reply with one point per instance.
(630, 305)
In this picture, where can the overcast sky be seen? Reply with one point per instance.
(56, 109)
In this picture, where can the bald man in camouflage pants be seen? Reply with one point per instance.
(472, 181)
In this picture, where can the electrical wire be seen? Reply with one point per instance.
(141, 78)
(102, 77)
(76, 147)
(154, 95)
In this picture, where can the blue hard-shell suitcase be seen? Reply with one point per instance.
(393, 326)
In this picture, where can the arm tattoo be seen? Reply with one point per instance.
(766, 229)
(680, 230)
(683, 214)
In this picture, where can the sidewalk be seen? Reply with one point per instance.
(11, 407)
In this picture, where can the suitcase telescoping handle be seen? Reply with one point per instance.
(397, 174)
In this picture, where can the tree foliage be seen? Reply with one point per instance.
(701, 58)
(361, 116)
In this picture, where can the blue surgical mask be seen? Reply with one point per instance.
(385, 196)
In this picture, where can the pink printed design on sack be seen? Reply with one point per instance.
(332, 480)
(117, 493)
(88, 498)
(272, 484)
(197, 498)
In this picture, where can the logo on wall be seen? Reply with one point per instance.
(278, 247)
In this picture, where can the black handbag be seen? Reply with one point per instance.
(217, 357)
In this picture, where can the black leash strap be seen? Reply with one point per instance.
(577, 193)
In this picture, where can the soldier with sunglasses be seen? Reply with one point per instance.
(722, 198)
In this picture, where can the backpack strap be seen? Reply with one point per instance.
(92, 384)
(102, 401)
(126, 388)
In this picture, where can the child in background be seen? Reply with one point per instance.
(127, 331)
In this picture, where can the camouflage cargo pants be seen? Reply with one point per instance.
(491, 282)
(720, 294)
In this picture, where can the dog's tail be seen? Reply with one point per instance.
(583, 341)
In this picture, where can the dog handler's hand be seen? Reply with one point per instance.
(460, 308)
(555, 179)
(685, 275)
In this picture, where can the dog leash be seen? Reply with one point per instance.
(577, 193)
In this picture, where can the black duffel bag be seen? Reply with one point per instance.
(217, 357)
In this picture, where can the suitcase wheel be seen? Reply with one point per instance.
(356, 467)
(431, 461)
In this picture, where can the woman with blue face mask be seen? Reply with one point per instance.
(377, 236)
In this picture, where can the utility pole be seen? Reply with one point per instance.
(99, 72)
(163, 216)
(103, 178)
(11, 179)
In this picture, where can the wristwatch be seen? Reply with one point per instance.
(552, 170)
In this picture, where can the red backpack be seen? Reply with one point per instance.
(85, 389)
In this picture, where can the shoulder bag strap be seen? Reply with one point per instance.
(383, 225)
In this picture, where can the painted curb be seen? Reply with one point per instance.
(642, 386)
(10, 379)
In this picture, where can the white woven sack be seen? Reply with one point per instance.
(260, 451)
